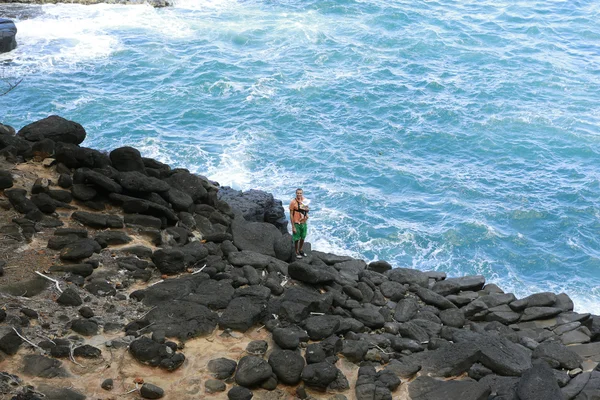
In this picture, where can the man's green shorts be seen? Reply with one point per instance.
(300, 232)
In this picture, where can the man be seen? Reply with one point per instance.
(298, 217)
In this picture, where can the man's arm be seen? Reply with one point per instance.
(292, 217)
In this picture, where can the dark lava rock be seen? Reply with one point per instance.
(87, 351)
(286, 338)
(319, 375)
(79, 250)
(557, 355)
(355, 350)
(499, 354)
(143, 220)
(252, 371)
(379, 266)
(432, 298)
(239, 393)
(138, 182)
(406, 310)
(8, 32)
(369, 315)
(10, 343)
(111, 238)
(169, 261)
(427, 388)
(214, 386)
(62, 196)
(451, 360)
(85, 327)
(98, 221)
(100, 287)
(538, 383)
(6, 180)
(393, 290)
(107, 384)
(99, 180)
(182, 319)
(18, 199)
(188, 183)
(43, 367)
(315, 353)
(55, 128)
(65, 181)
(242, 313)
(287, 365)
(44, 203)
(150, 391)
(86, 312)
(69, 297)
(29, 313)
(127, 159)
(222, 368)
(83, 270)
(321, 326)
(83, 192)
(309, 273)
(452, 317)
(408, 276)
(257, 347)
(455, 285)
(533, 313)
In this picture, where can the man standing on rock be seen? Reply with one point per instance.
(298, 217)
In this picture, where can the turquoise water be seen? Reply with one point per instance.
(455, 136)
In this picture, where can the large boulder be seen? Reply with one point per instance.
(242, 313)
(256, 206)
(259, 237)
(189, 183)
(127, 159)
(252, 371)
(182, 319)
(539, 383)
(8, 32)
(54, 128)
(287, 365)
(427, 388)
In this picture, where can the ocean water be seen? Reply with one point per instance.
(457, 136)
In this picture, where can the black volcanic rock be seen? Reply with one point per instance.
(222, 368)
(83, 248)
(319, 375)
(188, 183)
(252, 371)
(6, 179)
(8, 41)
(98, 221)
(136, 181)
(126, 159)
(69, 297)
(427, 388)
(538, 383)
(18, 199)
(287, 365)
(182, 319)
(55, 128)
(242, 313)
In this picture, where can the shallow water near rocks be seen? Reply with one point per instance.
(460, 137)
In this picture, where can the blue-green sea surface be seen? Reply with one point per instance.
(457, 136)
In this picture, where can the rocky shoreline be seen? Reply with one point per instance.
(121, 276)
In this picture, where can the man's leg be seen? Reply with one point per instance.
(296, 246)
(299, 250)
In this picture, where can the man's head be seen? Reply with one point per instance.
(299, 193)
